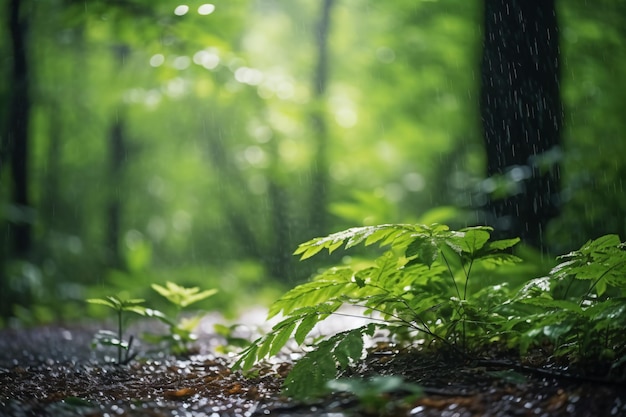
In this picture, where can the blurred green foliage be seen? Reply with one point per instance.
(214, 105)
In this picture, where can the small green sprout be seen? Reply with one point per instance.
(181, 329)
(180, 296)
(109, 338)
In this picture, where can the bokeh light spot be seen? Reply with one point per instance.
(157, 60)
(206, 9)
(181, 10)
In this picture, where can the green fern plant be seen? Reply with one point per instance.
(417, 289)
(580, 307)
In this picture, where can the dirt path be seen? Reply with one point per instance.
(51, 371)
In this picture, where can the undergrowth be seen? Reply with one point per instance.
(425, 288)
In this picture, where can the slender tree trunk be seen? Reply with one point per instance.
(521, 114)
(117, 162)
(319, 195)
(18, 125)
(281, 259)
(14, 151)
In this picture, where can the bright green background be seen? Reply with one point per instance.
(217, 177)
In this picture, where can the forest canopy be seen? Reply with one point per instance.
(145, 142)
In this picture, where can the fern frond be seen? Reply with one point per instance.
(386, 234)
(326, 287)
(310, 374)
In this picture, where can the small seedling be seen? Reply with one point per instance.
(109, 338)
(180, 328)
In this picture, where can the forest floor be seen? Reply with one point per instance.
(52, 371)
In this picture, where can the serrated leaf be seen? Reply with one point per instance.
(133, 302)
(497, 259)
(136, 309)
(304, 328)
(549, 303)
(349, 349)
(281, 338)
(473, 239)
(101, 301)
(264, 347)
(308, 251)
(377, 235)
(503, 244)
(191, 299)
(603, 242)
(425, 248)
(250, 358)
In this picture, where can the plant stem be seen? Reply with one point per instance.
(443, 255)
(582, 300)
(119, 336)
(467, 277)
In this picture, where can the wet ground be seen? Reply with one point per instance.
(52, 371)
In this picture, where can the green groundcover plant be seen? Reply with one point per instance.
(180, 328)
(419, 290)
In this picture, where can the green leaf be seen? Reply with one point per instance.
(502, 244)
(388, 234)
(101, 301)
(549, 303)
(306, 325)
(264, 348)
(601, 243)
(182, 296)
(250, 358)
(350, 348)
(425, 248)
(473, 239)
(281, 338)
(497, 259)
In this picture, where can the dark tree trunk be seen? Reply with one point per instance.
(521, 115)
(18, 123)
(319, 195)
(117, 161)
(14, 151)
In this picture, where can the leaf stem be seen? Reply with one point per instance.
(582, 300)
(445, 259)
(119, 336)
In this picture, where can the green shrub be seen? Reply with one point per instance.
(419, 289)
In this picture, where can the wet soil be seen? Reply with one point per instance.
(52, 371)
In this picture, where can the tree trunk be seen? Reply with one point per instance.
(319, 175)
(521, 115)
(117, 162)
(14, 151)
(18, 124)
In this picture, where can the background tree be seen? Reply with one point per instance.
(522, 116)
(320, 167)
(15, 151)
